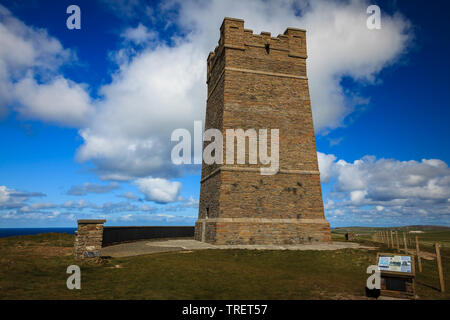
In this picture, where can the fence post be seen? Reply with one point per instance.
(418, 254)
(404, 241)
(439, 263)
(396, 237)
(392, 240)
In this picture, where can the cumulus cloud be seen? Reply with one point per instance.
(387, 188)
(92, 188)
(153, 95)
(159, 190)
(59, 101)
(29, 80)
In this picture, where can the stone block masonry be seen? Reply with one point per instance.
(88, 239)
(260, 82)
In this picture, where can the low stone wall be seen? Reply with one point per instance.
(91, 236)
(114, 235)
(88, 239)
(349, 236)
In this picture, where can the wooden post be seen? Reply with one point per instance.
(392, 240)
(439, 263)
(418, 254)
(404, 241)
(396, 236)
(387, 238)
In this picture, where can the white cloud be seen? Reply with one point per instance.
(60, 101)
(4, 194)
(159, 190)
(388, 188)
(153, 95)
(139, 35)
(28, 54)
(326, 162)
(357, 196)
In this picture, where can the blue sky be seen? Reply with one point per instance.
(86, 115)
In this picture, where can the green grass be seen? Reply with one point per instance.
(34, 267)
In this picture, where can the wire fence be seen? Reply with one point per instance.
(429, 268)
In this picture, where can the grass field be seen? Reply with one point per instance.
(34, 267)
(430, 235)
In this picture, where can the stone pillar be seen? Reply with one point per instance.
(349, 236)
(88, 239)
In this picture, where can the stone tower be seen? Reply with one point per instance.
(258, 81)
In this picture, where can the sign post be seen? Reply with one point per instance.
(397, 274)
(396, 237)
(392, 240)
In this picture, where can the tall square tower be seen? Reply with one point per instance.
(260, 82)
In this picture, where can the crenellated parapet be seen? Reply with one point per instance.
(233, 36)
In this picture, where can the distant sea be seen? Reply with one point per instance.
(8, 232)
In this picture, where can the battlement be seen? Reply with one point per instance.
(233, 35)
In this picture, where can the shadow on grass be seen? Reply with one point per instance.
(428, 286)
